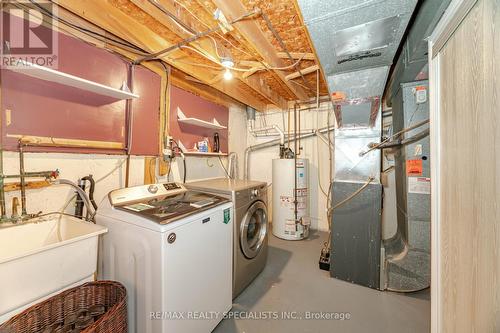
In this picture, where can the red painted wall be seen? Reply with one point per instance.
(196, 107)
(42, 108)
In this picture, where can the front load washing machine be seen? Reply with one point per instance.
(250, 225)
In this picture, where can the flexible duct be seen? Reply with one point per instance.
(275, 142)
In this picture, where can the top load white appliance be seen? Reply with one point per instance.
(172, 249)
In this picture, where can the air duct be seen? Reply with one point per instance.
(356, 41)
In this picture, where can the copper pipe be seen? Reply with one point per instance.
(130, 122)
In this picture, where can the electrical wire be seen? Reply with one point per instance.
(283, 46)
(166, 101)
(327, 244)
(161, 53)
(217, 33)
(183, 161)
(138, 51)
(223, 167)
(238, 69)
(111, 172)
(194, 34)
(185, 170)
(358, 191)
(211, 59)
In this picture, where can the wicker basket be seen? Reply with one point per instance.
(92, 307)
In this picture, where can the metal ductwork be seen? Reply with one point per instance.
(356, 42)
(358, 37)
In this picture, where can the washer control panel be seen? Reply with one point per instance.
(153, 189)
(258, 192)
(134, 194)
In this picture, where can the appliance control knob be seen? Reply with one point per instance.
(152, 189)
(171, 238)
(255, 193)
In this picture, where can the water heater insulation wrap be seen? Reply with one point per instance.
(285, 225)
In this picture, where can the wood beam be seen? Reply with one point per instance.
(251, 72)
(182, 81)
(253, 34)
(297, 55)
(37, 184)
(258, 85)
(111, 19)
(205, 46)
(304, 71)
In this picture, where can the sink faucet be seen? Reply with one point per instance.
(48, 175)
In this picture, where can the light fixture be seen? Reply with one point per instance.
(227, 62)
(228, 75)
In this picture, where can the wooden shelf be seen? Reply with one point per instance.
(52, 75)
(198, 122)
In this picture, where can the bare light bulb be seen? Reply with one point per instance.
(228, 75)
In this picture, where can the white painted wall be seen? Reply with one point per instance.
(71, 167)
(210, 167)
(313, 149)
(75, 166)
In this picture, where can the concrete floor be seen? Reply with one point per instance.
(292, 285)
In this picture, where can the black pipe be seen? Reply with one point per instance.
(91, 180)
(79, 200)
(184, 177)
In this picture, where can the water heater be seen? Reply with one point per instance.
(291, 219)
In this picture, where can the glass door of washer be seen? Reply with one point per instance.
(253, 229)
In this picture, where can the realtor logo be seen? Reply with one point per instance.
(28, 33)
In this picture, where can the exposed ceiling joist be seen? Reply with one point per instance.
(115, 21)
(253, 34)
(258, 85)
(304, 71)
(297, 55)
(206, 47)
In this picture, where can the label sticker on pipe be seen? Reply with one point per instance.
(420, 185)
(414, 167)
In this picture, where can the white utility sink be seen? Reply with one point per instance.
(44, 256)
